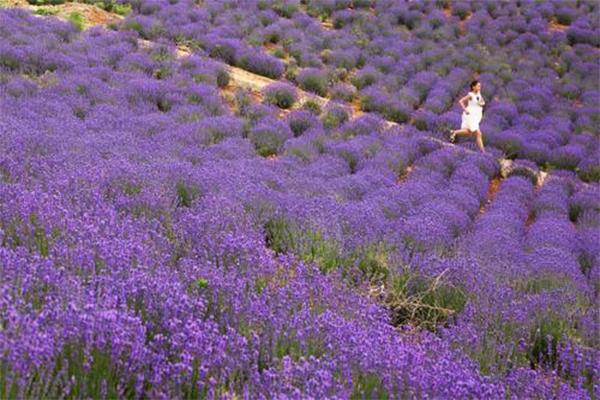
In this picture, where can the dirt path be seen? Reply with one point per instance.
(245, 79)
(490, 195)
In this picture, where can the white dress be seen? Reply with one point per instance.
(475, 108)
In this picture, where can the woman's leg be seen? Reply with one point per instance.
(479, 140)
(458, 132)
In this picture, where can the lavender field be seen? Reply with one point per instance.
(257, 199)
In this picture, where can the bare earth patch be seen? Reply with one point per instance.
(530, 220)
(355, 106)
(493, 188)
(554, 26)
(90, 14)
(405, 174)
(14, 3)
(327, 25)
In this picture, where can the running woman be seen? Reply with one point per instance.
(472, 105)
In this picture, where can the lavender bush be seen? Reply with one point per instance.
(280, 94)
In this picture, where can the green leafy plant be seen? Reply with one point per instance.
(77, 20)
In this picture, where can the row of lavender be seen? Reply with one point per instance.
(132, 268)
(146, 246)
(409, 62)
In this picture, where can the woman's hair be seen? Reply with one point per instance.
(473, 84)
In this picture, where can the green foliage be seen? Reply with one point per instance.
(41, 241)
(372, 263)
(120, 9)
(564, 17)
(543, 342)
(423, 301)
(163, 105)
(282, 97)
(362, 80)
(350, 158)
(289, 345)
(186, 194)
(511, 146)
(30, 234)
(420, 123)
(299, 125)
(45, 12)
(284, 9)
(461, 12)
(526, 173)
(315, 83)
(369, 386)
(200, 78)
(260, 284)
(325, 253)
(134, 26)
(282, 237)
(242, 100)
(279, 235)
(110, 6)
(291, 72)
(76, 375)
(79, 112)
(278, 52)
(113, 26)
(396, 114)
(312, 105)
(9, 62)
(131, 189)
(45, 2)
(201, 283)
(300, 153)
(77, 20)
(591, 174)
(367, 263)
(265, 150)
(334, 119)
(586, 264)
(223, 78)
(540, 284)
(362, 3)
(574, 211)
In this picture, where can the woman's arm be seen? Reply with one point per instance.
(462, 102)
